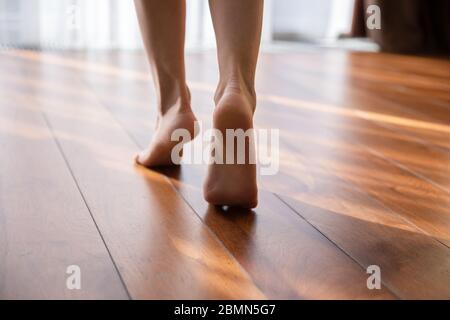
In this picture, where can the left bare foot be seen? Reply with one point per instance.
(159, 151)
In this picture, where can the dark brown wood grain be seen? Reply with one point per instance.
(160, 246)
(45, 226)
(364, 176)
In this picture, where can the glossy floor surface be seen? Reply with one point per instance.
(364, 179)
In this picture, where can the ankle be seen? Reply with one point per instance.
(236, 86)
(177, 100)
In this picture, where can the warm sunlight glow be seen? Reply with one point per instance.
(285, 101)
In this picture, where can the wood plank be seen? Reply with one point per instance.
(408, 240)
(356, 222)
(334, 132)
(162, 249)
(310, 177)
(368, 231)
(341, 198)
(319, 155)
(400, 111)
(346, 154)
(285, 256)
(44, 224)
(354, 200)
(440, 172)
(404, 75)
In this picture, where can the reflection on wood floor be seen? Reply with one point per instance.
(364, 180)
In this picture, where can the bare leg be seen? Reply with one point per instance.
(162, 26)
(237, 24)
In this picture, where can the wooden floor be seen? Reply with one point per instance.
(364, 180)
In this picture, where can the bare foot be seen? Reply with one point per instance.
(233, 184)
(159, 151)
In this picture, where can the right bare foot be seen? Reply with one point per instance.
(233, 184)
(159, 151)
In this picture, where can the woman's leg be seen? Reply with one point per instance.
(162, 26)
(237, 24)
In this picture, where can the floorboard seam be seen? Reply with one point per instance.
(401, 216)
(214, 234)
(169, 180)
(405, 168)
(58, 145)
(376, 200)
(131, 136)
(331, 241)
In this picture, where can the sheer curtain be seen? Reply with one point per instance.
(73, 24)
(88, 24)
(112, 24)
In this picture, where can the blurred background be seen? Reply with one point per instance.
(112, 24)
(408, 26)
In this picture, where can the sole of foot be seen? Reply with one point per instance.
(232, 184)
